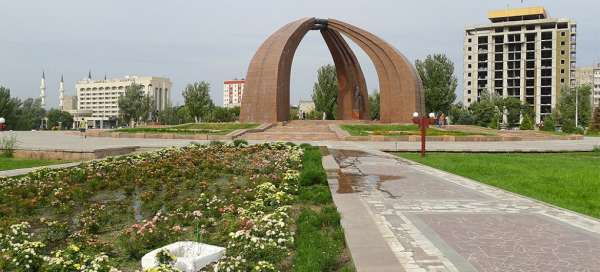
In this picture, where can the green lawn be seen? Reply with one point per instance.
(567, 180)
(399, 130)
(12, 163)
(200, 128)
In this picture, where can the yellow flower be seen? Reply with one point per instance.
(74, 247)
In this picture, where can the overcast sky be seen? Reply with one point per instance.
(190, 41)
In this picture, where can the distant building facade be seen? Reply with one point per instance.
(523, 54)
(305, 107)
(101, 97)
(590, 76)
(233, 90)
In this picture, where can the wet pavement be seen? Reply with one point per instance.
(431, 220)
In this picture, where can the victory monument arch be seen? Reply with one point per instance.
(267, 90)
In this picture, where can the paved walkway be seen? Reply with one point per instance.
(435, 221)
(23, 171)
(52, 140)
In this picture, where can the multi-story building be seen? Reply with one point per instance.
(233, 90)
(522, 53)
(102, 96)
(590, 76)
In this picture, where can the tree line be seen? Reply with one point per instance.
(136, 107)
(28, 114)
(439, 85)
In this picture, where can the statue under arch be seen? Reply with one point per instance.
(267, 89)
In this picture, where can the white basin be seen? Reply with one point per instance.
(190, 256)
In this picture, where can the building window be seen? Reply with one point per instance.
(562, 43)
(469, 49)
(468, 91)
(469, 40)
(469, 66)
(562, 33)
(562, 71)
(562, 52)
(562, 80)
(562, 61)
(469, 100)
(469, 74)
(469, 57)
(469, 83)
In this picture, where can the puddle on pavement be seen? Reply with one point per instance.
(347, 182)
(340, 155)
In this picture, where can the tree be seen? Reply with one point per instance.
(527, 123)
(30, 114)
(566, 107)
(374, 105)
(168, 116)
(148, 110)
(439, 82)
(485, 111)
(595, 124)
(197, 100)
(131, 104)
(461, 115)
(8, 107)
(325, 91)
(56, 117)
(222, 114)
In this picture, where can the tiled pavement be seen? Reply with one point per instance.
(435, 221)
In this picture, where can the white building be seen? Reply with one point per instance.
(233, 91)
(102, 96)
(305, 107)
(521, 53)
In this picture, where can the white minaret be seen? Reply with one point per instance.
(43, 90)
(61, 91)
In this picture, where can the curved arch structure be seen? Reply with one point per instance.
(267, 90)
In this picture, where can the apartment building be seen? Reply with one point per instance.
(590, 75)
(521, 53)
(233, 91)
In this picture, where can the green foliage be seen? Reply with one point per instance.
(223, 114)
(318, 250)
(325, 91)
(316, 194)
(566, 107)
(549, 124)
(198, 101)
(374, 105)
(8, 144)
(132, 104)
(398, 130)
(512, 107)
(484, 111)
(495, 122)
(30, 114)
(460, 115)
(240, 142)
(56, 117)
(8, 107)
(312, 169)
(595, 124)
(439, 82)
(7, 163)
(526, 123)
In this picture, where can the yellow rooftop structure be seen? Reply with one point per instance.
(515, 14)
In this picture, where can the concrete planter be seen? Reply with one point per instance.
(190, 256)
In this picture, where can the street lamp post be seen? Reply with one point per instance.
(423, 123)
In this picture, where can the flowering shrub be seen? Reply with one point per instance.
(18, 252)
(232, 195)
(72, 259)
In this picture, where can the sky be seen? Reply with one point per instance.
(190, 41)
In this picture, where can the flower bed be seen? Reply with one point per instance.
(104, 215)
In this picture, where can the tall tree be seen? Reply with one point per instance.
(131, 104)
(566, 107)
(439, 82)
(8, 107)
(325, 91)
(30, 114)
(374, 105)
(57, 117)
(197, 100)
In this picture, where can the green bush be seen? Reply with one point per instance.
(8, 145)
(549, 124)
(495, 121)
(216, 143)
(526, 123)
(240, 142)
(315, 250)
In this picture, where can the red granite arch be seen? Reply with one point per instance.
(267, 90)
